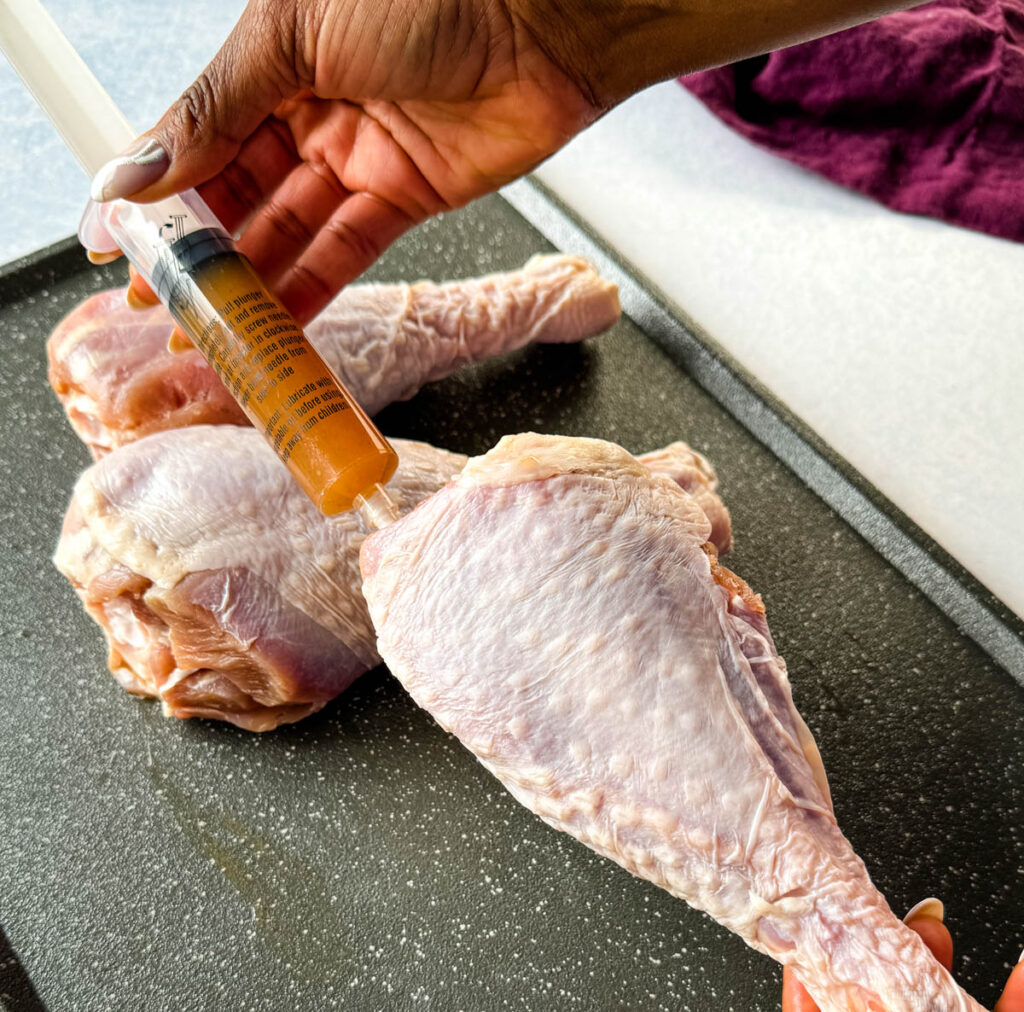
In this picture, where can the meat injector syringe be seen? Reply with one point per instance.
(331, 447)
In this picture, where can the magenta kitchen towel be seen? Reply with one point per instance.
(922, 110)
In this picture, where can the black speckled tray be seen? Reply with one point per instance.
(362, 859)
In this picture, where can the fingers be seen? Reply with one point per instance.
(287, 223)
(204, 130)
(263, 162)
(179, 342)
(102, 258)
(936, 936)
(926, 919)
(308, 241)
(1012, 998)
(354, 236)
(794, 996)
(306, 253)
(139, 295)
(354, 193)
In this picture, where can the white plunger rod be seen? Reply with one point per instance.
(85, 115)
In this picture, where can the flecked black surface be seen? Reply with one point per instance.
(362, 859)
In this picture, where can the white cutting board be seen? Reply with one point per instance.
(900, 340)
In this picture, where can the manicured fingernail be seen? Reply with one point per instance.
(134, 300)
(138, 167)
(178, 342)
(930, 907)
(102, 258)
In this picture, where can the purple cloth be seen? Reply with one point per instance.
(922, 110)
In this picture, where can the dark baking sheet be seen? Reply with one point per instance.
(362, 859)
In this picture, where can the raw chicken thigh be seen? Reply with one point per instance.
(111, 369)
(558, 608)
(221, 590)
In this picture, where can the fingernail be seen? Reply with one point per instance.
(930, 907)
(138, 167)
(134, 300)
(102, 258)
(178, 342)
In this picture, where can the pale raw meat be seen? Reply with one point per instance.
(111, 369)
(221, 590)
(557, 608)
(693, 473)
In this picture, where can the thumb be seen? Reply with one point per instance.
(794, 996)
(1012, 998)
(203, 130)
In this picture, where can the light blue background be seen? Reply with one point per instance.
(145, 54)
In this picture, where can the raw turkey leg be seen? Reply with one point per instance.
(557, 608)
(222, 591)
(111, 369)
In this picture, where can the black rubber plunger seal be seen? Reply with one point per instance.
(184, 255)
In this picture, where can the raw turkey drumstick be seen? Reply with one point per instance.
(558, 609)
(222, 591)
(111, 369)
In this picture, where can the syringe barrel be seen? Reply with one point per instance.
(259, 351)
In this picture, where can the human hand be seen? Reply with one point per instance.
(323, 129)
(926, 920)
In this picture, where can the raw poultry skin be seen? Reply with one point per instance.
(222, 591)
(558, 609)
(110, 367)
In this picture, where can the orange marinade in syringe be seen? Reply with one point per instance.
(262, 356)
(334, 451)
(260, 353)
